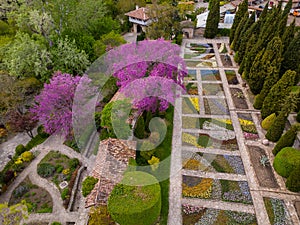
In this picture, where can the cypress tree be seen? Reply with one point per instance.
(278, 92)
(283, 20)
(243, 56)
(243, 8)
(238, 31)
(291, 57)
(255, 77)
(288, 35)
(277, 127)
(286, 140)
(213, 19)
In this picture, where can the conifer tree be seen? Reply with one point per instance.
(283, 19)
(238, 31)
(288, 35)
(277, 94)
(268, 69)
(213, 19)
(291, 57)
(245, 28)
(243, 8)
(244, 61)
(275, 131)
(286, 140)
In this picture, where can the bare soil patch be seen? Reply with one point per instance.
(238, 98)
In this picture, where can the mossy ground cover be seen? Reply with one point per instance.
(38, 200)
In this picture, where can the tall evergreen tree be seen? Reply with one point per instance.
(245, 59)
(291, 57)
(275, 131)
(288, 35)
(243, 8)
(245, 28)
(274, 99)
(213, 19)
(283, 19)
(267, 65)
(238, 31)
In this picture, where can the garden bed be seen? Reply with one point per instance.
(226, 60)
(222, 48)
(231, 77)
(216, 106)
(203, 140)
(198, 215)
(210, 75)
(213, 163)
(263, 173)
(277, 211)
(248, 126)
(192, 88)
(190, 105)
(38, 200)
(238, 98)
(192, 76)
(212, 89)
(206, 123)
(214, 189)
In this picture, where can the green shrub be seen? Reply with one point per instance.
(59, 168)
(225, 32)
(267, 122)
(147, 150)
(298, 117)
(20, 149)
(293, 181)
(73, 163)
(137, 199)
(88, 185)
(20, 191)
(286, 140)
(56, 223)
(45, 169)
(64, 193)
(35, 141)
(276, 129)
(286, 161)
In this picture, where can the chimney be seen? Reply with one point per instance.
(136, 7)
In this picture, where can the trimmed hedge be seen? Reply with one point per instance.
(286, 161)
(286, 140)
(293, 181)
(267, 122)
(138, 203)
(88, 185)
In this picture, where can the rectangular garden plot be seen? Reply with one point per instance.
(192, 88)
(210, 75)
(202, 216)
(192, 76)
(212, 163)
(222, 47)
(206, 123)
(216, 189)
(212, 89)
(248, 126)
(190, 105)
(215, 106)
(277, 211)
(203, 140)
(238, 98)
(226, 60)
(231, 77)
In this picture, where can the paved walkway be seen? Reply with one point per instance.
(59, 213)
(257, 192)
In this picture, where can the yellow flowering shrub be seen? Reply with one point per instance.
(18, 161)
(27, 156)
(190, 139)
(201, 190)
(66, 171)
(154, 163)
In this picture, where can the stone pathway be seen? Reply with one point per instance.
(197, 65)
(59, 213)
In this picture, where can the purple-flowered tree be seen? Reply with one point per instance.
(53, 107)
(148, 59)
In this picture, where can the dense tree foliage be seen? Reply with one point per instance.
(213, 19)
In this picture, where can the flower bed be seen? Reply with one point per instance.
(236, 191)
(192, 76)
(198, 215)
(212, 89)
(210, 75)
(201, 123)
(222, 48)
(192, 88)
(231, 77)
(277, 211)
(190, 105)
(38, 200)
(216, 106)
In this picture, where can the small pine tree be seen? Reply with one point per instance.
(243, 8)
(278, 92)
(287, 140)
(213, 19)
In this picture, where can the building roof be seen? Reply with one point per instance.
(140, 13)
(111, 162)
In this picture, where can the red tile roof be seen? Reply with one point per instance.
(140, 13)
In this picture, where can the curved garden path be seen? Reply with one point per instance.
(257, 192)
(59, 213)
